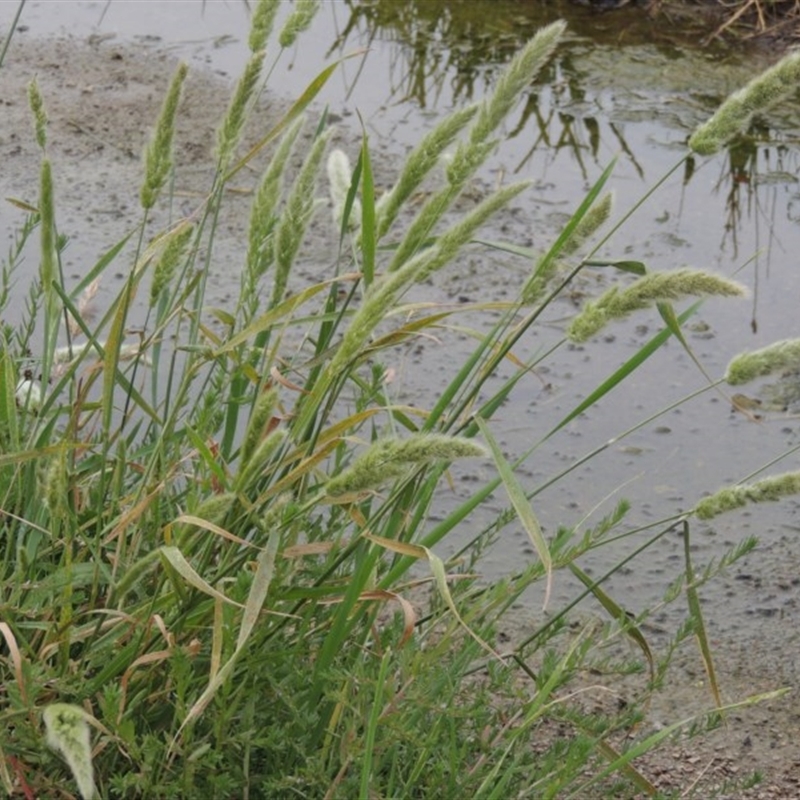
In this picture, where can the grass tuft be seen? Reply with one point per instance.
(221, 540)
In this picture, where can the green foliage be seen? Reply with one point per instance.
(208, 549)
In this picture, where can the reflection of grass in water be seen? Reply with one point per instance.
(203, 577)
(465, 44)
(760, 164)
(462, 42)
(784, 395)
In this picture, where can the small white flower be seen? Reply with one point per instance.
(29, 395)
(68, 353)
(340, 175)
(64, 357)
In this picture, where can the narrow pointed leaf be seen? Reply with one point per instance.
(521, 505)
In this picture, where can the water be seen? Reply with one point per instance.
(610, 92)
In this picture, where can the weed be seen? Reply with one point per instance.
(211, 535)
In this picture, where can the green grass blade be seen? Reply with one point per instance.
(311, 91)
(97, 270)
(93, 344)
(372, 725)
(521, 505)
(349, 201)
(173, 556)
(650, 742)
(625, 370)
(575, 220)
(276, 314)
(618, 613)
(696, 611)
(632, 267)
(9, 428)
(368, 240)
(265, 570)
(440, 578)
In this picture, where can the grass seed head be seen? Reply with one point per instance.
(515, 80)
(259, 423)
(733, 497)
(39, 114)
(158, 153)
(261, 24)
(390, 458)
(298, 21)
(548, 265)
(260, 254)
(775, 357)
(68, 733)
(422, 159)
(735, 114)
(453, 240)
(299, 209)
(167, 264)
(47, 270)
(230, 131)
(340, 176)
(28, 395)
(652, 288)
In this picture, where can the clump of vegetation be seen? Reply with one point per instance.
(211, 536)
(736, 21)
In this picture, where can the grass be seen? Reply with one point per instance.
(213, 533)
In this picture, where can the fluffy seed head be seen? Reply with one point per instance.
(735, 114)
(261, 24)
(167, 264)
(298, 21)
(340, 176)
(644, 292)
(419, 163)
(776, 357)
(39, 114)
(516, 79)
(158, 154)
(68, 733)
(29, 395)
(259, 423)
(297, 214)
(262, 214)
(231, 129)
(388, 459)
(546, 267)
(732, 497)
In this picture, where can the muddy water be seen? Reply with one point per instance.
(611, 92)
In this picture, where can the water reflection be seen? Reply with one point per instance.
(618, 86)
(460, 42)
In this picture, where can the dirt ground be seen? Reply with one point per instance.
(101, 98)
